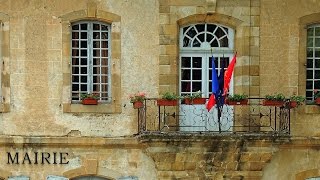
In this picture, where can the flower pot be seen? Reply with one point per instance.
(293, 104)
(89, 101)
(242, 102)
(164, 102)
(195, 101)
(137, 104)
(317, 101)
(272, 103)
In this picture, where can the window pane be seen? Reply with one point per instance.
(75, 87)
(200, 27)
(196, 43)
(75, 27)
(317, 85)
(84, 44)
(104, 53)
(309, 63)
(310, 32)
(186, 62)
(196, 86)
(75, 43)
(96, 61)
(309, 74)
(84, 70)
(317, 63)
(84, 79)
(96, 44)
(104, 35)
(84, 61)
(185, 86)
(75, 78)
(83, 52)
(309, 85)
(316, 52)
(84, 26)
(317, 74)
(309, 52)
(317, 42)
(196, 74)
(96, 35)
(96, 26)
(84, 87)
(104, 44)
(75, 35)
(104, 28)
(75, 61)
(96, 53)
(317, 31)
(197, 62)
(83, 35)
(309, 95)
(104, 62)
(185, 74)
(310, 42)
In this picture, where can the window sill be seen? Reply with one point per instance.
(312, 109)
(100, 108)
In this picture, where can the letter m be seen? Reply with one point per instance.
(16, 156)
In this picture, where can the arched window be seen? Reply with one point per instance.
(198, 44)
(90, 60)
(313, 61)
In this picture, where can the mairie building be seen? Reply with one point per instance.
(83, 82)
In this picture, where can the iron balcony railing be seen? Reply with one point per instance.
(251, 118)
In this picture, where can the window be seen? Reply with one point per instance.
(313, 61)
(198, 43)
(90, 60)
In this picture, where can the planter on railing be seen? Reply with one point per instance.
(165, 102)
(272, 103)
(317, 101)
(137, 104)
(242, 102)
(189, 101)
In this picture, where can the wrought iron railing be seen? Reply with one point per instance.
(251, 118)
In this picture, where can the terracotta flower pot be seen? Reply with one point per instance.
(272, 103)
(164, 102)
(293, 104)
(195, 101)
(89, 101)
(242, 102)
(137, 104)
(317, 101)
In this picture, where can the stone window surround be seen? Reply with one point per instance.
(92, 13)
(304, 22)
(4, 60)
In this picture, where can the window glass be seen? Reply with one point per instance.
(90, 60)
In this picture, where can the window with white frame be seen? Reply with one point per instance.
(198, 43)
(313, 61)
(90, 66)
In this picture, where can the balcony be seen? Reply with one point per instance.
(253, 118)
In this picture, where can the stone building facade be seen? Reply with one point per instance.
(48, 134)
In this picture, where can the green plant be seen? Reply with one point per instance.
(276, 97)
(237, 97)
(197, 94)
(137, 97)
(298, 99)
(89, 95)
(170, 96)
(316, 94)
